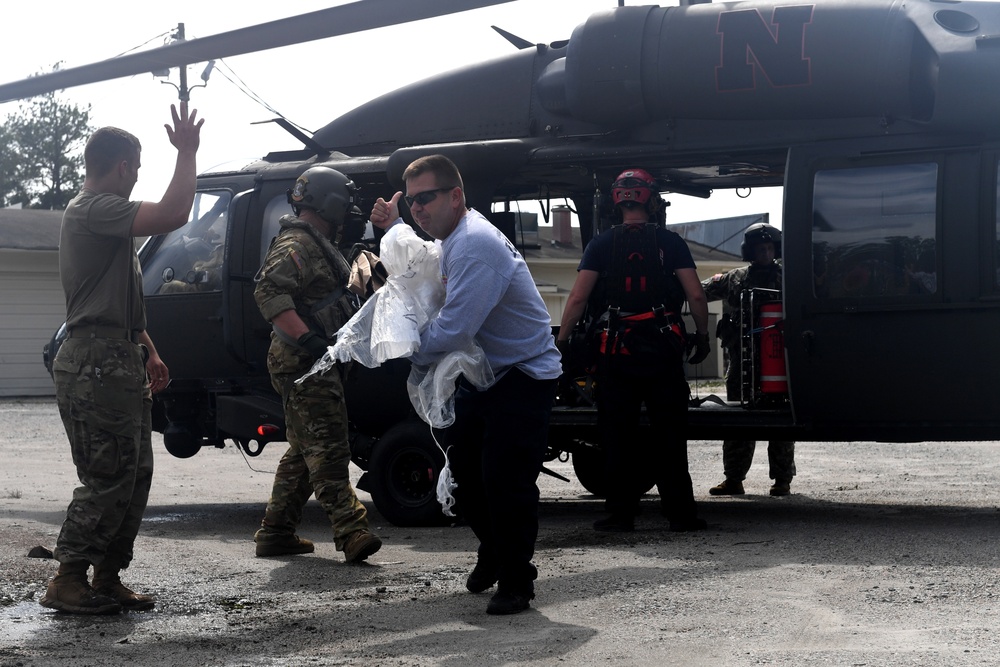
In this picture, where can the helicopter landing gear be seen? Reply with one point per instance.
(402, 476)
(250, 447)
(180, 441)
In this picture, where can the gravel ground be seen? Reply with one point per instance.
(885, 554)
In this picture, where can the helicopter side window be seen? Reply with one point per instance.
(874, 231)
(190, 259)
(277, 207)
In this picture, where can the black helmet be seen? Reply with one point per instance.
(326, 191)
(760, 232)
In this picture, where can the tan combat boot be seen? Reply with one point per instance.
(281, 544)
(781, 487)
(69, 591)
(728, 487)
(107, 582)
(360, 545)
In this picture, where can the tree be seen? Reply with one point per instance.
(8, 169)
(41, 153)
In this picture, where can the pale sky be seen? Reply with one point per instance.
(310, 84)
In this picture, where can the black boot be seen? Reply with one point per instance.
(484, 575)
(514, 596)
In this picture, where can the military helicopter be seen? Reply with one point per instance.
(876, 116)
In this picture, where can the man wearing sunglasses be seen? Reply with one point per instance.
(497, 443)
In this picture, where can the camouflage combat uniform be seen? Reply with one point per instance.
(101, 383)
(296, 275)
(737, 455)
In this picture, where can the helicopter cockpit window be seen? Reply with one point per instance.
(874, 231)
(190, 259)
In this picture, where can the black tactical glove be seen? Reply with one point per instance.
(313, 343)
(699, 343)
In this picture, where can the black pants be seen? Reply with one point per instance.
(496, 448)
(661, 448)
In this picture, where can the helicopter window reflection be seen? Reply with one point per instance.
(874, 231)
(190, 259)
(277, 207)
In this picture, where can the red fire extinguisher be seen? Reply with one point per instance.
(773, 376)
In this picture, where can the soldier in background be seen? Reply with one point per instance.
(762, 248)
(300, 290)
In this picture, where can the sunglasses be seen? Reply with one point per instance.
(426, 197)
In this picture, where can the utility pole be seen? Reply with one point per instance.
(182, 91)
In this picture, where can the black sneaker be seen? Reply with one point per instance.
(615, 524)
(483, 576)
(506, 602)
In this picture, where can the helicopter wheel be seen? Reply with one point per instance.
(403, 472)
(592, 471)
(179, 441)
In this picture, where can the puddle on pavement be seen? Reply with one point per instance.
(26, 620)
(23, 620)
(164, 518)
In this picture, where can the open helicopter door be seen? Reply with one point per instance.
(184, 281)
(891, 292)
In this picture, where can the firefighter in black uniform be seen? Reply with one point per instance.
(635, 277)
(762, 248)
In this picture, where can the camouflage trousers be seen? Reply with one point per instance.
(737, 456)
(317, 459)
(105, 405)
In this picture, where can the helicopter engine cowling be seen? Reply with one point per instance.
(772, 61)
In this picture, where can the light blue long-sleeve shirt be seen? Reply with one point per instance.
(491, 298)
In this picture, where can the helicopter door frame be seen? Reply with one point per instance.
(236, 276)
(883, 255)
(990, 204)
(184, 281)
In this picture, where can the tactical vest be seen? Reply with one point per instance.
(327, 315)
(638, 328)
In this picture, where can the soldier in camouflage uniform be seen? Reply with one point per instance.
(762, 248)
(107, 369)
(300, 290)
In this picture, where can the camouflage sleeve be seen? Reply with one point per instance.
(281, 278)
(717, 287)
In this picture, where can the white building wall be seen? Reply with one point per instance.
(32, 307)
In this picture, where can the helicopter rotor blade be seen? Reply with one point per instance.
(340, 20)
